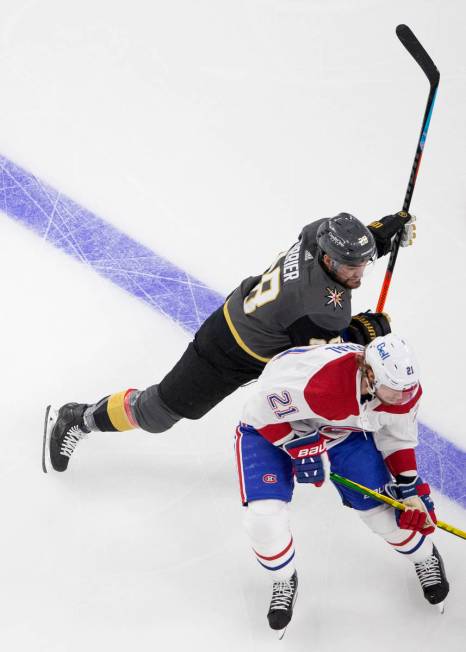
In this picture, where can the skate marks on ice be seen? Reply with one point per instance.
(111, 253)
(443, 463)
(166, 288)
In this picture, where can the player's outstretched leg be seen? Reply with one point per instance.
(284, 593)
(431, 574)
(118, 412)
(63, 429)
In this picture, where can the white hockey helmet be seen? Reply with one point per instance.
(395, 369)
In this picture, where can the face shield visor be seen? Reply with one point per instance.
(395, 396)
(350, 274)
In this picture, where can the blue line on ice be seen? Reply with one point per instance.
(165, 287)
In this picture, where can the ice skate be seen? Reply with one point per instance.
(62, 432)
(284, 594)
(434, 583)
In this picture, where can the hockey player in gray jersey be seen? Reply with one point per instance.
(303, 298)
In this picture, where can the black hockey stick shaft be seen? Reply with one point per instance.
(416, 50)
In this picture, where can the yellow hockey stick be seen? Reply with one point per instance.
(394, 503)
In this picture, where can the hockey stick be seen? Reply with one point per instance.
(416, 50)
(394, 503)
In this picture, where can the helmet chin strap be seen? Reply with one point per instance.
(370, 386)
(371, 390)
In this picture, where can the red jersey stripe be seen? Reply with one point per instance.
(275, 431)
(400, 461)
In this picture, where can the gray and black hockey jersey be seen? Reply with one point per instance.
(293, 302)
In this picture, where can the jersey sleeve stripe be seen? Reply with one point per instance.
(275, 432)
(401, 461)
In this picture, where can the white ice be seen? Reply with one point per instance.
(212, 131)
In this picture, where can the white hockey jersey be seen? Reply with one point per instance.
(319, 388)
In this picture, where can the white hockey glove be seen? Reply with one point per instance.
(387, 227)
(409, 232)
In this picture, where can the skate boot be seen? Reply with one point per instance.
(284, 594)
(431, 574)
(62, 431)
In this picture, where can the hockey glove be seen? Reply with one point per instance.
(366, 326)
(419, 514)
(305, 453)
(387, 227)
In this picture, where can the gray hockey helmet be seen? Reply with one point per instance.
(346, 240)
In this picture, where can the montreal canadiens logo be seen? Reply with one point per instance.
(269, 478)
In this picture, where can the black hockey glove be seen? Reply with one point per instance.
(366, 326)
(386, 228)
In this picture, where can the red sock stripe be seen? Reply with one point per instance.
(127, 407)
(283, 552)
(403, 543)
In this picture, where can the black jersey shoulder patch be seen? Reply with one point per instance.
(335, 297)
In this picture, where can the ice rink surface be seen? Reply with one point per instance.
(211, 132)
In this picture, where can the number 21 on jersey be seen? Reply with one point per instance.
(281, 404)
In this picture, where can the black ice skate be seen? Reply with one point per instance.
(62, 431)
(431, 574)
(284, 596)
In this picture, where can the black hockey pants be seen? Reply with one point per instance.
(210, 369)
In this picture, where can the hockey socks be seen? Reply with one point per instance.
(267, 525)
(412, 545)
(113, 413)
(131, 409)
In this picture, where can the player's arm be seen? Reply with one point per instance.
(276, 413)
(398, 441)
(366, 326)
(385, 229)
(410, 489)
(304, 449)
(305, 332)
(363, 328)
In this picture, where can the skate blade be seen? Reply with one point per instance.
(281, 632)
(441, 607)
(49, 422)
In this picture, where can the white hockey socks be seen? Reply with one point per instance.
(412, 545)
(268, 527)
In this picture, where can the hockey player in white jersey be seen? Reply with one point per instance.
(358, 405)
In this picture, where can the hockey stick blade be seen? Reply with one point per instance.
(418, 53)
